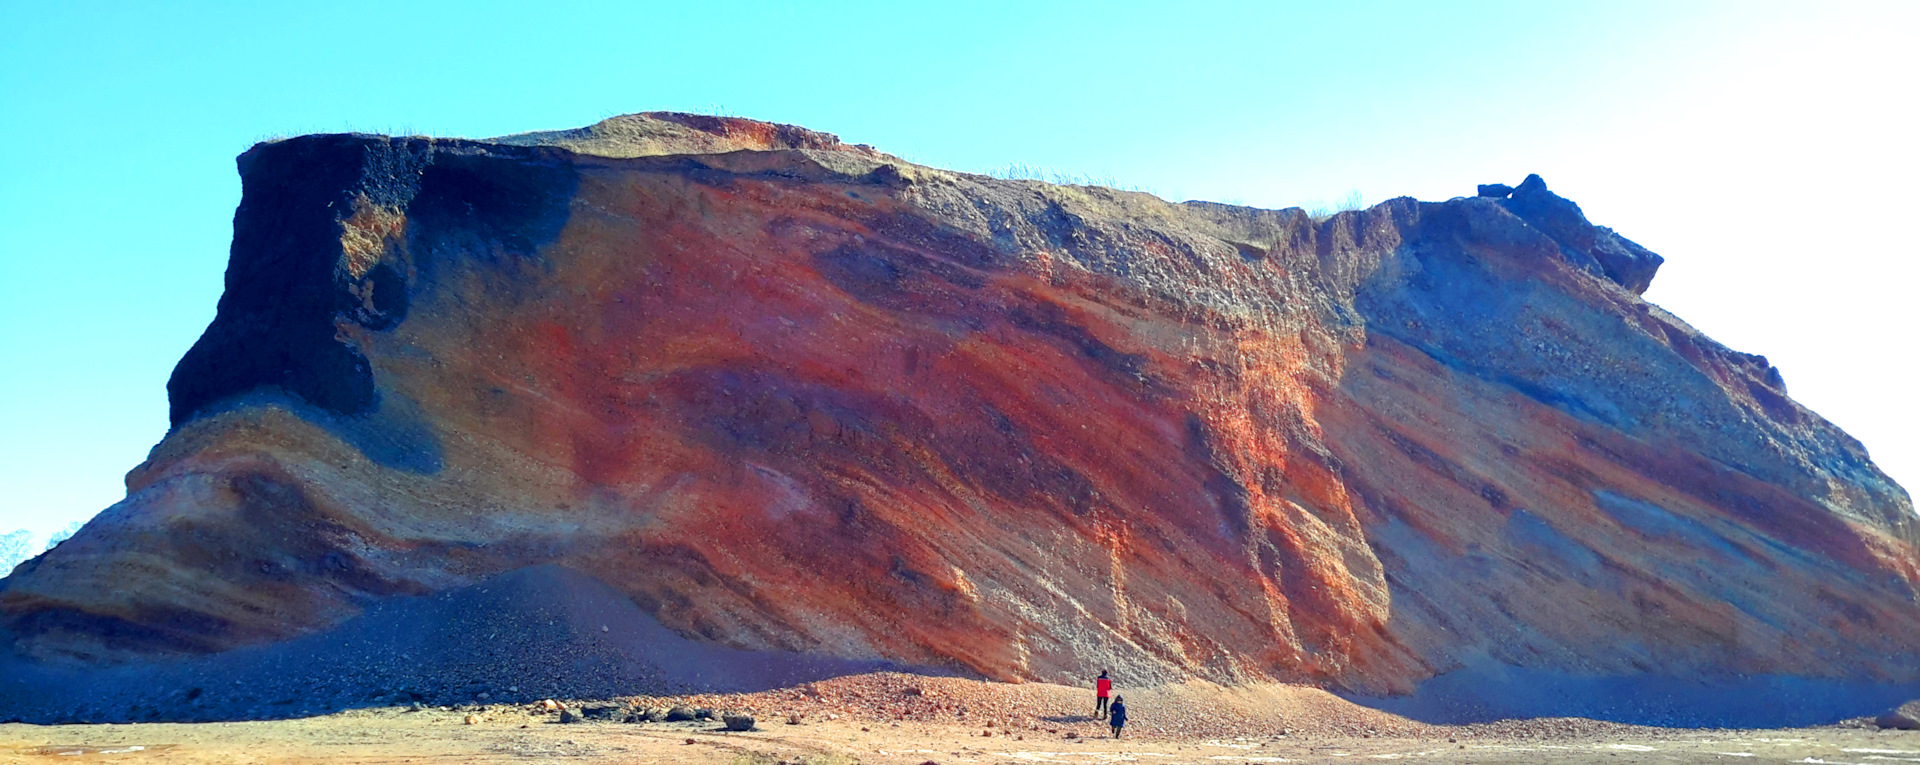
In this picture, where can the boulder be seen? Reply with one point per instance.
(680, 714)
(1903, 717)
(737, 721)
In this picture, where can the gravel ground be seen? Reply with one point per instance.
(900, 719)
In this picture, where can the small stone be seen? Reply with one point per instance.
(793, 719)
(570, 716)
(1071, 734)
(551, 706)
(652, 714)
(737, 722)
(473, 720)
(689, 741)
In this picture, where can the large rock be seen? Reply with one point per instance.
(1903, 717)
(1595, 249)
(787, 394)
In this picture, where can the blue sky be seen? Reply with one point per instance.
(1765, 150)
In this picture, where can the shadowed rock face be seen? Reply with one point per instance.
(789, 394)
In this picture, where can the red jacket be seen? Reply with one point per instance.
(1102, 687)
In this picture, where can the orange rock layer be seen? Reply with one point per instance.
(791, 394)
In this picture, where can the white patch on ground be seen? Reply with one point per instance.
(1881, 751)
(1096, 756)
(1735, 754)
(1633, 748)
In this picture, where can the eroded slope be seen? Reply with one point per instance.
(789, 394)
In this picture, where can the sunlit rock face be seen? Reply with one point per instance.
(787, 393)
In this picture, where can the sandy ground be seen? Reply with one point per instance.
(891, 719)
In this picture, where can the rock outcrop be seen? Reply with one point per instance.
(1903, 717)
(788, 394)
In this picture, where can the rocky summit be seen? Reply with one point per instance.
(768, 394)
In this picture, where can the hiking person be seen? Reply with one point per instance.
(1119, 715)
(1101, 688)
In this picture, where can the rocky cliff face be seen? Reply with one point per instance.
(790, 394)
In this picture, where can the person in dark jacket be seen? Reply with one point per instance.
(1102, 687)
(1119, 715)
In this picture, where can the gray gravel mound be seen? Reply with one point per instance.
(540, 632)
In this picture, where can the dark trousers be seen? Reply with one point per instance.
(1100, 708)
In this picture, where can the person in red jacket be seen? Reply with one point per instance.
(1102, 688)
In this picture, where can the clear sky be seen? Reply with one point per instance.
(1768, 151)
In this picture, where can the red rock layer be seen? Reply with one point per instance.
(808, 397)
